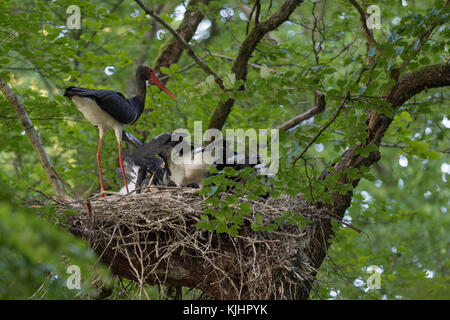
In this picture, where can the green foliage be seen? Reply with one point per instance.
(226, 213)
(396, 206)
(35, 255)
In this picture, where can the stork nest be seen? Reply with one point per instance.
(151, 238)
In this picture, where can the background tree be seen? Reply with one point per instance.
(376, 156)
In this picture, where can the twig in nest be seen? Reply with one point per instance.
(88, 208)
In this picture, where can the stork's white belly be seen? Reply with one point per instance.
(94, 114)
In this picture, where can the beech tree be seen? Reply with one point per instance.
(357, 90)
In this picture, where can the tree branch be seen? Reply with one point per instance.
(245, 51)
(173, 49)
(422, 38)
(253, 65)
(183, 42)
(347, 98)
(412, 83)
(7, 38)
(388, 145)
(258, 32)
(320, 107)
(367, 33)
(407, 86)
(247, 10)
(216, 55)
(35, 141)
(145, 46)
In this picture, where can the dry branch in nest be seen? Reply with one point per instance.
(151, 238)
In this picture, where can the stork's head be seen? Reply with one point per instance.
(147, 73)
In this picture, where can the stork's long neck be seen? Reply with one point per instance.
(140, 95)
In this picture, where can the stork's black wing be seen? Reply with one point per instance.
(152, 148)
(144, 161)
(113, 102)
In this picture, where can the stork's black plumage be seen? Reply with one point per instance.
(124, 110)
(149, 172)
(108, 109)
(144, 162)
(181, 167)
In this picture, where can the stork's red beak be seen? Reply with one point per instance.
(154, 79)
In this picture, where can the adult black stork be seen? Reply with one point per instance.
(108, 109)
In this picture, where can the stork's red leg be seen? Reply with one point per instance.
(121, 167)
(99, 167)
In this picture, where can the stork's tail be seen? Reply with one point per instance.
(68, 92)
(75, 91)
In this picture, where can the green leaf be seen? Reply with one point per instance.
(165, 70)
(166, 17)
(229, 81)
(210, 81)
(265, 72)
(174, 68)
(246, 207)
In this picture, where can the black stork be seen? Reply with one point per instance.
(145, 161)
(186, 170)
(108, 109)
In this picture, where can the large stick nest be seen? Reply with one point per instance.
(151, 238)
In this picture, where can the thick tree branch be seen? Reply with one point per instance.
(412, 83)
(183, 42)
(408, 85)
(247, 10)
(172, 49)
(257, 33)
(246, 50)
